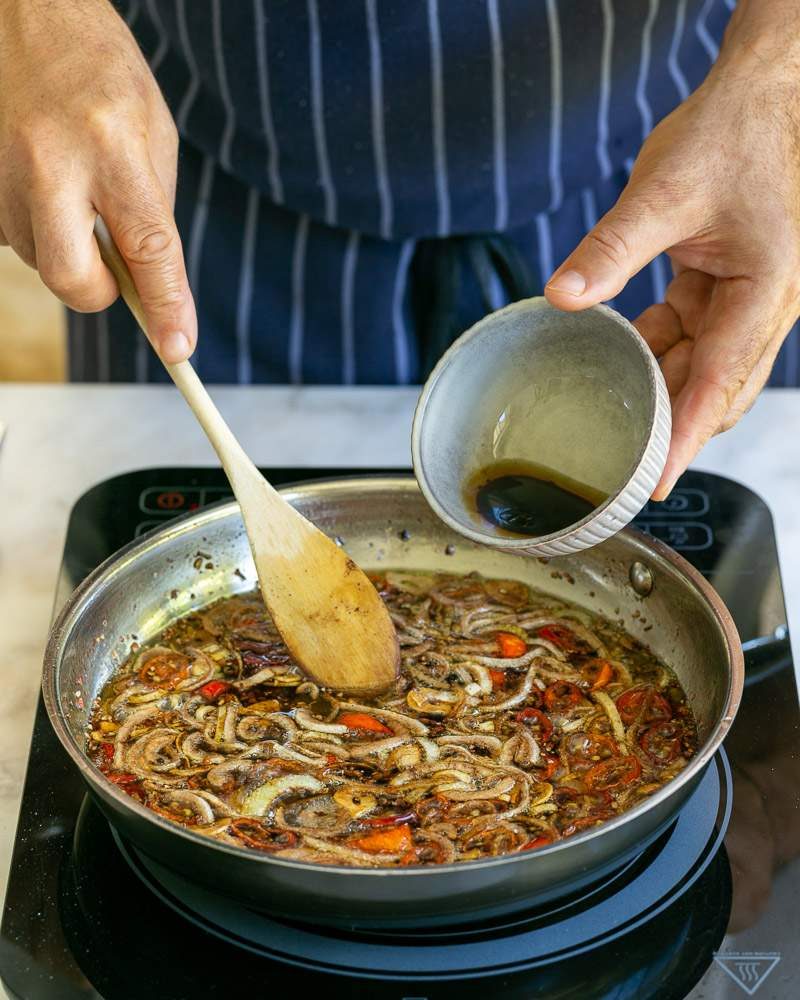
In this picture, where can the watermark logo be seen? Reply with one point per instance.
(747, 969)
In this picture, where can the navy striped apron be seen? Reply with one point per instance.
(360, 180)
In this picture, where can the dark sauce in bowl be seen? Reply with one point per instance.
(522, 498)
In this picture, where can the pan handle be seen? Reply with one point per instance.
(766, 655)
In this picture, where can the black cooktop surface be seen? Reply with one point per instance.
(707, 911)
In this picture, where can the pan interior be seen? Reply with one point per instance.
(382, 522)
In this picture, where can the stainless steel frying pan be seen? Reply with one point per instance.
(386, 522)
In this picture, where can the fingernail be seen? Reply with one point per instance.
(175, 347)
(569, 282)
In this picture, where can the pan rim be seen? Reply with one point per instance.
(115, 564)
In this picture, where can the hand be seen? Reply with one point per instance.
(716, 185)
(84, 130)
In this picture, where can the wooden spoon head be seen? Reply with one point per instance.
(327, 611)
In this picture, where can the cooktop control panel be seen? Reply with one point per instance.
(678, 521)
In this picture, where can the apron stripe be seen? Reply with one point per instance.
(273, 166)
(348, 335)
(791, 350)
(163, 40)
(659, 278)
(377, 108)
(675, 71)
(224, 90)
(318, 112)
(134, 10)
(298, 301)
(103, 348)
(556, 102)
(142, 347)
(605, 90)
(187, 102)
(437, 118)
(197, 234)
(703, 33)
(77, 354)
(244, 300)
(401, 345)
(498, 117)
(545, 246)
(644, 71)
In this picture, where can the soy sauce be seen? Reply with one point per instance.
(522, 498)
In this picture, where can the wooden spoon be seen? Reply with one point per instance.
(328, 613)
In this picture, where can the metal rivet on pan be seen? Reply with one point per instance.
(641, 578)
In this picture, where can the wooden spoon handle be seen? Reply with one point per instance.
(230, 452)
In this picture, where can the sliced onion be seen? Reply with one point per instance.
(258, 802)
(614, 718)
(192, 748)
(519, 695)
(306, 720)
(510, 663)
(195, 802)
(201, 671)
(264, 675)
(522, 749)
(491, 743)
(133, 720)
(220, 808)
(378, 747)
(503, 786)
(361, 858)
(317, 814)
(432, 701)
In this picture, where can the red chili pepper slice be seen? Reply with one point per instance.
(643, 703)
(560, 636)
(613, 773)
(662, 741)
(395, 840)
(600, 673)
(122, 778)
(542, 841)
(498, 678)
(560, 696)
(213, 690)
(551, 763)
(536, 720)
(511, 646)
(164, 669)
(362, 721)
(107, 750)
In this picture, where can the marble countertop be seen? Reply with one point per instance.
(60, 440)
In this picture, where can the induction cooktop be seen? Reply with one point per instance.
(707, 911)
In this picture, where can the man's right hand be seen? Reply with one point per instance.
(84, 131)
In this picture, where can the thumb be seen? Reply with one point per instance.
(635, 231)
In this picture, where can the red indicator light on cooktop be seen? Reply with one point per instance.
(171, 500)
